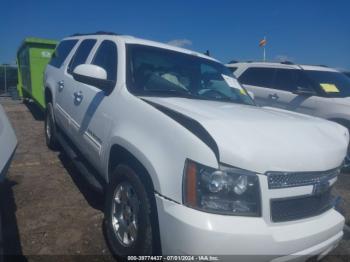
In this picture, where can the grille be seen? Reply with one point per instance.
(294, 179)
(302, 207)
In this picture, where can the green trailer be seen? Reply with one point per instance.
(32, 58)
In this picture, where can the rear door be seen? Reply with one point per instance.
(57, 72)
(91, 116)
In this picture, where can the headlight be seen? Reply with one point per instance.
(226, 190)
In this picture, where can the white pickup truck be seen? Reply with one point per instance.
(187, 162)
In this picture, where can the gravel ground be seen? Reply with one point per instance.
(49, 210)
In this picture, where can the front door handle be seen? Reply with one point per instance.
(78, 96)
(274, 96)
(60, 85)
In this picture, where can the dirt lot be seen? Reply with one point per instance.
(49, 210)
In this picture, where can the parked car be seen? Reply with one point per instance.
(188, 164)
(315, 90)
(8, 143)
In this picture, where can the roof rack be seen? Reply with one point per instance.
(287, 63)
(233, 62)
(96, 33)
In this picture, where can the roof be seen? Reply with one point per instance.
(134, 40)
(36, 40)
(96, 33)
(283, 65)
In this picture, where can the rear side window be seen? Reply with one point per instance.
(258, 76)
(61, 52)
(107, 57)
(81, 54)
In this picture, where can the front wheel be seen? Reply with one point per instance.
(128, 220)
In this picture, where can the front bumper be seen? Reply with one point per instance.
(192, 232)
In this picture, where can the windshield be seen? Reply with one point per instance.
(334, 84)
(159, 72)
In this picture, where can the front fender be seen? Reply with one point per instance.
(158, 142)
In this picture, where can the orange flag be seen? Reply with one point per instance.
(262, 42)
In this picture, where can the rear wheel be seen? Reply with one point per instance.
(128, 220)
(50, 128)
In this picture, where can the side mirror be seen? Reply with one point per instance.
(304, 91)
(93, 75)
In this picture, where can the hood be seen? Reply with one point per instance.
(265, 139)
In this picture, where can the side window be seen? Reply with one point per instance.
(286, 79)
(304, 82)
(61, 52)
(290, 80)
(107, 57)
(258, 76)
(81, 54)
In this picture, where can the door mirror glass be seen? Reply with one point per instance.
(93, 75)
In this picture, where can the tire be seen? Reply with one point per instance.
(50, 128)
(124, 178)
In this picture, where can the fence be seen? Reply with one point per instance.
(8, 78)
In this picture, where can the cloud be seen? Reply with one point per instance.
(283, 58)
(180, 42)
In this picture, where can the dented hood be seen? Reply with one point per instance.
(265, 139)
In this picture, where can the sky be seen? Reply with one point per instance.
(311, 32)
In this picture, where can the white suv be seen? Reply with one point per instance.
(188, 163)
(315, 90)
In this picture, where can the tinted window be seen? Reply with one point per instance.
(61, 52)
(158, 72)
(107, 58)
(287, 79)
(81, 54)
(258, 76)
(334, 84)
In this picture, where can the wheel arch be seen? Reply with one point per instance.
(119, 154)
(48, 95)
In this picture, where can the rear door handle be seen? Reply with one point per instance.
(60, 85)
(78, 96)
(274, 96)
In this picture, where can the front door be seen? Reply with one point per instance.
(91, 117)
(284, 92)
